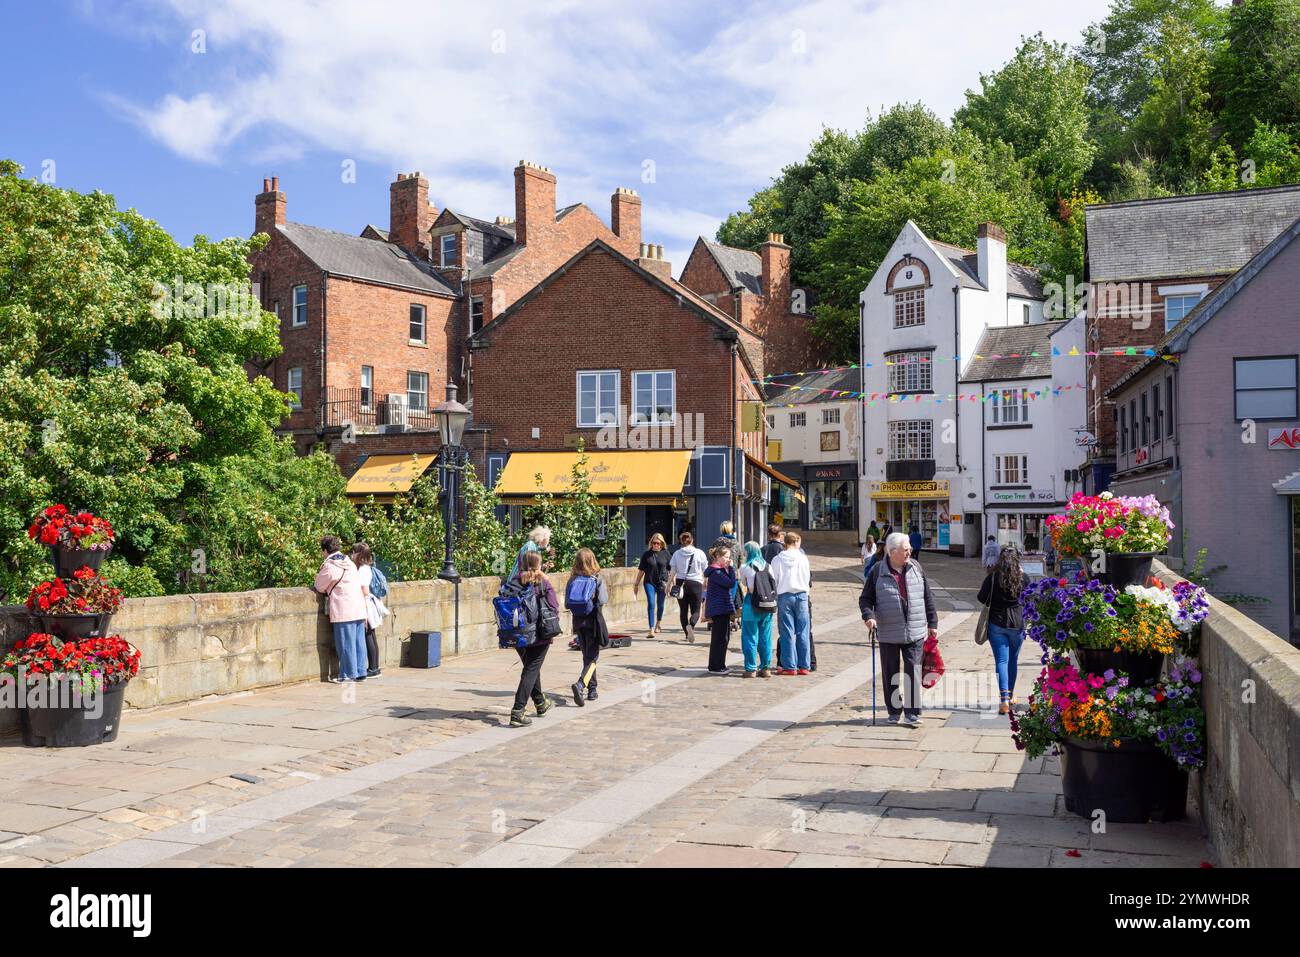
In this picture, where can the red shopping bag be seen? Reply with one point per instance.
(931, 663)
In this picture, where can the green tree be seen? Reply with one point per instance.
(483, 545)
(118, 399)
(1037, 104)
(577, 519)
(406, 536)
(1257, 70)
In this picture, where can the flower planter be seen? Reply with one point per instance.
(64, 726)
(68, 560)
(1127, 568)
(74, 627)
(1133, 783)
(1142, 668)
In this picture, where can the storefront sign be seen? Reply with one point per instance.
(1140, 457)
(751, 417)
(944, 534)
(774, 450)
(1284, 438)
(826, 473)
(933, 490)
(1022, 495)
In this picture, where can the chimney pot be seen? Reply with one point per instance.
(266, 185)
(275, 184)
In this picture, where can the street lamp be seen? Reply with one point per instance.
(451, 417)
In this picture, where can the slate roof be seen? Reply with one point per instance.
(483, 226)
(742, 267)
(1023, 281)
(1020, 341)
(782, 391)
(359, 258)
(1208, 234)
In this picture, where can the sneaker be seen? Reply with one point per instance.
(803, 671)
(895, 719)
(764, 673)
(340, 681)
(359, 678)
(912, 723)
(786, 671)
(578, 694)
(690, 635)
(749, 674)
(720, 671)
(518, 719)
(546, 705)
(592, 694)
(374, 674)
(573, 645)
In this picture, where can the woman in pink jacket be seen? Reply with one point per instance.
(339, 580)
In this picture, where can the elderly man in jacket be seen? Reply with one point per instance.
(898, 610)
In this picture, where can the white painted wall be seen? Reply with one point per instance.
(803, 444)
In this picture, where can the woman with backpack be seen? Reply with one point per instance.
(719, 604)
(756, 612)
(585, 596)
(374, 585)
(652, 575)
(1006, 628)
(686, 582)
(531, 656)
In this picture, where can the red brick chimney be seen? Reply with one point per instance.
(651, 259)
(625, 219)
(409, 213)
(775, 255)
(534, 202)
(269, 207)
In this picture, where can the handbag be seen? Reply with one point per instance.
(982, 626)
(676, 590)
(548, 620)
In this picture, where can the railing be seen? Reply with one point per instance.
(367, 412)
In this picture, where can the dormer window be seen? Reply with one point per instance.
(447, 249)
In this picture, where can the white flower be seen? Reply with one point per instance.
(1106, 495)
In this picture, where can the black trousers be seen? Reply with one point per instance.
(902, 693)
(689, 603)
(719, 637)
(372, 649)
(590, 645)
(530, 679)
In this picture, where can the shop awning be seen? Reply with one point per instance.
(384, 476)
(776, 476)
(1289, 485)
(642, 478)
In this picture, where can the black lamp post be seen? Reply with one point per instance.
(451, 417)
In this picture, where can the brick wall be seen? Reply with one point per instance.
(612, 318)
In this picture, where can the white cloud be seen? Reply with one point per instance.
(720, 100)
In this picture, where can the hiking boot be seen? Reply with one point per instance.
(592, 694)
(578, 694)
(518, 719)
(543, 706)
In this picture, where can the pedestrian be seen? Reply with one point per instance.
(340, 581)
(652, 575)
(538, 540)
(686, 582)
(793, 582)
(1001, 592)
(532, 656)
(873, 531)
(898, 609)
(756, 612)
(1049, 550)
(990, 556)
(586, 596)
(775, 543)
(374, 584)
(916, 540)
(727, 539)
(880, 551)
(868, 550)
(719, 604)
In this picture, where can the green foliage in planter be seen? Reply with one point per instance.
(576, 519)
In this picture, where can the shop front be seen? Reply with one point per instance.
(1019, 516)
(831, 491)
(920, 504)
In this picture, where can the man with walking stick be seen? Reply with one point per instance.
(898, 610)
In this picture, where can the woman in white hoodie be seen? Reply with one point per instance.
(376, 611)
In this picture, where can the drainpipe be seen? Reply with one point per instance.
(956, 388)
(731, 472)
(862, 420)
(324, 334)
(984, 476)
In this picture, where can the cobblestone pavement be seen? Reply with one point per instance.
(672, 766)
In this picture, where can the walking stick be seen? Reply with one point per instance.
(873, 679)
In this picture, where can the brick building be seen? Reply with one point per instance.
(374, 326)
(653, 380)
(1148, 263)
(754, 289)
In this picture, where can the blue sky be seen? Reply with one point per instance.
(695, 106)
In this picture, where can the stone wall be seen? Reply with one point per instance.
(197, 645)
(1250, 786)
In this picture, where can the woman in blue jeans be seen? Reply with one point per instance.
(652, 575)
(1001, 592)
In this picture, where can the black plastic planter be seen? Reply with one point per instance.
(74, 627)
(1133, 783)
(68, 560)
(64, 726)
(1127, 568)
(1142, 668)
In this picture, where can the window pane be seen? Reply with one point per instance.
(1266, 404)
(1266, 374)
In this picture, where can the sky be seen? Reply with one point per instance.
(180, 108)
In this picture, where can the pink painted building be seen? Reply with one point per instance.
(1215, 434)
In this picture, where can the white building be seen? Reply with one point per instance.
(922, 317)
(812, 433)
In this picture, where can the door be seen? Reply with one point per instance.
(659, 518)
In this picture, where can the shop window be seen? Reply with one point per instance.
(830, 505)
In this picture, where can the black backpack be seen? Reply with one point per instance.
(762, 593)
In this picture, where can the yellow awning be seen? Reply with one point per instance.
(643, 478)
(384, 476)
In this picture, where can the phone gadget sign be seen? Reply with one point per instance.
(1284, 438)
